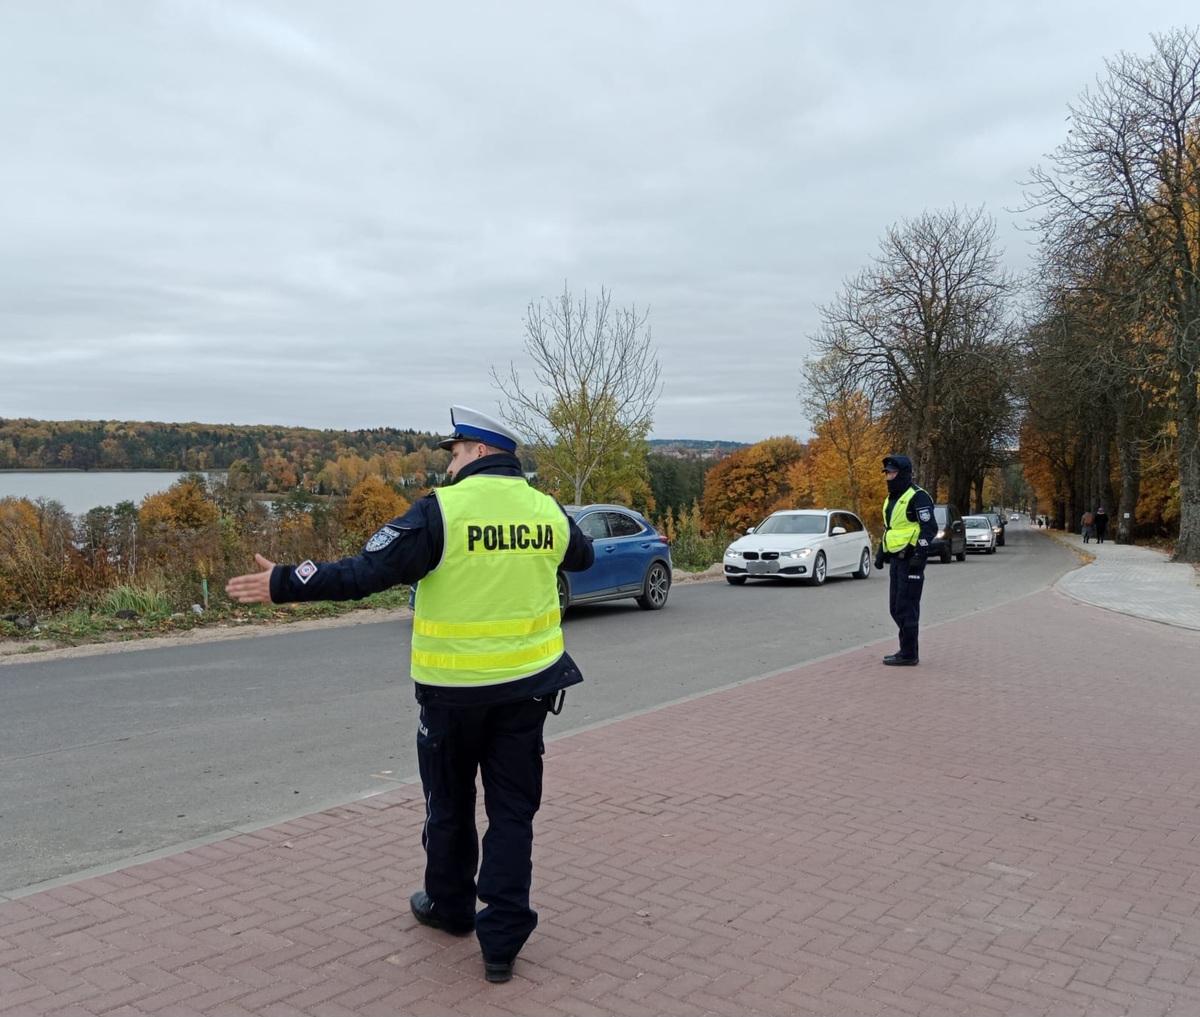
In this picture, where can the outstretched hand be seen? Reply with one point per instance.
(254, 588)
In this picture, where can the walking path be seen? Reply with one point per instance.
(1136, 581)
(1009, 828)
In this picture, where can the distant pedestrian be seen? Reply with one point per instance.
(1101, 518)
(1087, 526)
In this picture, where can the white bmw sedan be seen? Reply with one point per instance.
(805, 544)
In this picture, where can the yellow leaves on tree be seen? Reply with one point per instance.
(280, 473)
(39, 566)
(17, 515)
(1042, 464)
(1158, 500)
(845, 462)
(19, 542)
(753, 482)
(344, 473)
(371, 504)
(179, 529)
(185, 505)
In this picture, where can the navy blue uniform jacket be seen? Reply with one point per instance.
(406, 550)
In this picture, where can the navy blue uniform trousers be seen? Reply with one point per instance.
(504, 744)
(904, 602)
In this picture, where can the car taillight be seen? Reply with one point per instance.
(663, 538)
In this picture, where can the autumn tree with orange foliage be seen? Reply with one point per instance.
(1047, 461)
(845, 458)
(753, 482)
(39, 566)
(180, 538)
(184, 505)
(371, 504)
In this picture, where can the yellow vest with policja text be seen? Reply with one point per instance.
(489, 612)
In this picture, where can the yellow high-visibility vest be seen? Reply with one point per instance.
(901, 532)
(489, 612)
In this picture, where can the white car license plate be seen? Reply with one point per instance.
(761, 568)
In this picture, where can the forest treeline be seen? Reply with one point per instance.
(278, 460)
(270, 459)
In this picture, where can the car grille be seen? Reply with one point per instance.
(761, 555)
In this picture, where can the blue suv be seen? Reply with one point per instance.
(632, 559)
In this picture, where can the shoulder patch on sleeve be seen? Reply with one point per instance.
(384, 536)
(924, 514)
(305, 571)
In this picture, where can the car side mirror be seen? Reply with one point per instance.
(836, 530)
(750, 530)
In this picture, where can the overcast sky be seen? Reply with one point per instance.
(335, 214)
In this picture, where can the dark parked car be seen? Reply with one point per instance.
(951, 538)
(998, 523)
(632, 559)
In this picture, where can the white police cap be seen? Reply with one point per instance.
(471, 425)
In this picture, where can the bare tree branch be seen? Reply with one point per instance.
(597, 382)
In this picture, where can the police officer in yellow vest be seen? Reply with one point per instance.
(488, 665)
(908, 527)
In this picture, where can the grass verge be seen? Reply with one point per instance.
(79, 627)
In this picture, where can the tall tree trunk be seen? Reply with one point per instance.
(1188, 420)
(1079, 491)
(1130, 459)
(1104, 488)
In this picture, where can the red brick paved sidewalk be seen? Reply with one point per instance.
(1010, 828)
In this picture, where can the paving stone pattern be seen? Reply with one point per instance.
(1009, 828)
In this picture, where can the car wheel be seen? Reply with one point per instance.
(962, 555)
(991, 550)
(564, 595)
(818, 572)
(736, 580)
(864, 565)
(1000, 542)
(656, 588)
(946, 555)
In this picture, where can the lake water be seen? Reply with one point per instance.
(78, 491)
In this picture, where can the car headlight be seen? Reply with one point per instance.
(940, 535)
(731, 553)
(802, 552)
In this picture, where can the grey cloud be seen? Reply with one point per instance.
(335, 215)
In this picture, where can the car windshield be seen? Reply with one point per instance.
(976, 523)
(792, 524)
(939, 513)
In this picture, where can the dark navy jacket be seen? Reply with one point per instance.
(920, 508)
(406, 550)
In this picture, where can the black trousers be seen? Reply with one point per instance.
(904, 602)
(504, 744)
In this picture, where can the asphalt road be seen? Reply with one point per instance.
(105, 758)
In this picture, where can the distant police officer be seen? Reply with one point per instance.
(908, 528)
(488, 663)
